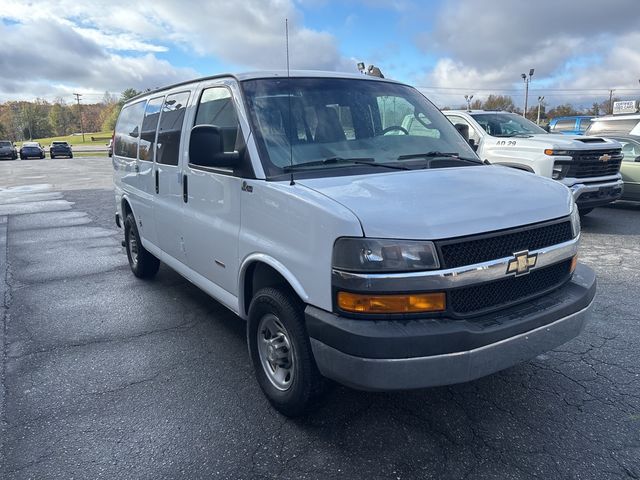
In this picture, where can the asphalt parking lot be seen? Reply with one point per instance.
(107, 376)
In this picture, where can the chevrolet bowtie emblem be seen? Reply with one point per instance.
(605, 158)
(522, 263)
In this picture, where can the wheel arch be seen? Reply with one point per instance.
(260, 271)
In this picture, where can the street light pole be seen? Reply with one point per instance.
(526, 90)
(468, 98)
(540, 99)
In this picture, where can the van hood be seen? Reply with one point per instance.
(445, 203)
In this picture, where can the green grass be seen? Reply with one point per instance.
(102, 138)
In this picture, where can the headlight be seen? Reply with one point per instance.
(383, 255)
(575, 220)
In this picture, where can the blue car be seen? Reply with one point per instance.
(575, 125)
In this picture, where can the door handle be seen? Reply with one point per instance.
(157, 183)
(185, 188)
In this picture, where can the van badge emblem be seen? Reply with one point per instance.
(605, 158)
(522, 263)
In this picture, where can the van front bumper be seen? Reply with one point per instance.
(408, 354)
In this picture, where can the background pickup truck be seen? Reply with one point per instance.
(589, 166)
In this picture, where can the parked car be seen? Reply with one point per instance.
(589, 166)
(60, 149)
(31, 150)
(630, 169)
(575, 125)
(381, 261)
(8, 150)
(610, 125)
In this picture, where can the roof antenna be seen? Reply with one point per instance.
(286, 33)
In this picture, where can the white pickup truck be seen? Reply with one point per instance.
(355, 250)
(589, 166)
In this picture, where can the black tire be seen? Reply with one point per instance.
(143, 264)
(42, 156)
(584, 211)
(52, 157)
(70, 156)
(307, 384)
(21, 157)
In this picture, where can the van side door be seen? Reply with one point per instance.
(167, 208)
(146, 170)
(212, 205)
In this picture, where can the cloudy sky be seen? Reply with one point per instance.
(580, 49)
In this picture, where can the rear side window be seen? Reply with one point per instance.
(170, 130)
(149, 127)
(128, 130)
(564, 125)
(216, 108)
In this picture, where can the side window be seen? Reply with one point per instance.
(584, 124)
(473, 135)
(170, 129)
(565, 125)
(128, 130)
(630, 151)
(148, 130)
(216, 108)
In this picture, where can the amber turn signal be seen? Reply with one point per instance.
(574, 263)
(410, 303)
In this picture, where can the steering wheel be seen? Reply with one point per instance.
(395, 127)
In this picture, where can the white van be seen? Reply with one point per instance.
(378, 260)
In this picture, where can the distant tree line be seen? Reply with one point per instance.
(21, 120)
(506, 103)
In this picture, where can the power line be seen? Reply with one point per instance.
(78, 95)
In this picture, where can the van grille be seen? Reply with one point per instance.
(588, 164)
(482, 248)
(478, 299)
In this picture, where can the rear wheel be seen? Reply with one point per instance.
(52, 157)
(281, 353)
(143, 264)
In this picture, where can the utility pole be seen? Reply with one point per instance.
(78, 95)
(540, 99)
(611, 102)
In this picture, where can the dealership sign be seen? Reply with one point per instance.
(625, 106)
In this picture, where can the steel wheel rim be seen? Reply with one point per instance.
(276, 352)
(133, 247)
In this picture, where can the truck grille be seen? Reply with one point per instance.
(588, 164)
(478, 299)
(485, 247)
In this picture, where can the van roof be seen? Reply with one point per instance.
(628, 116)
(269, 74)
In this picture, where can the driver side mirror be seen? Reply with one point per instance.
(206, 148)
(463, 130)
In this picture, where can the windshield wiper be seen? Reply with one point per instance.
(435, 154)
(341, 160)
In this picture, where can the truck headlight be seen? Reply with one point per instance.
(575, 220)
(384, 255)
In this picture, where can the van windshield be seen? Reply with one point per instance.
(312, 124)
(623, 125)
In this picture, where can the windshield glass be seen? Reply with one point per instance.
(320, 123)
(5, 144)
(500, 124)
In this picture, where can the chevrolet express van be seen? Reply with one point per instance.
(356, 250)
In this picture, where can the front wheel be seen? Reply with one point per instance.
(281, 353)
(143, 264)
